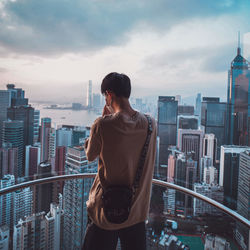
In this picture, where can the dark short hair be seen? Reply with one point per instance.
(117, 83)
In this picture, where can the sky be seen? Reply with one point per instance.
(52, 48)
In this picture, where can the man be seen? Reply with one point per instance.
(117, 138)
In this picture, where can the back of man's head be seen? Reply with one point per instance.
(117, 83)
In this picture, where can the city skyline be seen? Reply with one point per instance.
(190, 71)
(157, 45)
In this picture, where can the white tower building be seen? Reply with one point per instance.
(89, 95)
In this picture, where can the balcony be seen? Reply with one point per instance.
(179, 218)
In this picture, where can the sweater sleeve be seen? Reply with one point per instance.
(93, 143)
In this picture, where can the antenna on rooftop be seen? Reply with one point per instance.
(238, 49)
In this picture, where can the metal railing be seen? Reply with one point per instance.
(46, 180)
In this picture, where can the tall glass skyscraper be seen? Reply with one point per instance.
(13, 133)
(167, 125)
(25, 114)
(213, 119)
(45, 130)
(238, 101)
(5, 102)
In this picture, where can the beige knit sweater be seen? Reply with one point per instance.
(118, 141)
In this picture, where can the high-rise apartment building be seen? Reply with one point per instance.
(210, 175)
(22, 204)
(5, 102)
(36, 125)
(89, 95)
(54, 226)
(64, 137)
(191, 141)
(229, 173)
(52, 143)
(43, 194)
(30, 232)
(185, 175)
(13, 133)
(205, 162)
(40, 230)
(213, 119)
(32, 159)
(6, 201)
(75, 196)
(167, 125)
(8, 160)
(211, 191)
(60, 161)
(45, 131)
(210, 147)
(243, 199)
(238, 101)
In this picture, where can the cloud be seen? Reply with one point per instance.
(61, 26)
(209, 59)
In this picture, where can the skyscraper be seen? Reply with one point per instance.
(89, 95)
(191, 141)
(43, 194)
(60, 160)
(52, 144)
(45, 130)
(6, 201)
(197, 111)
(229, 173)
(210, 147)
(5, 102)
(17, 96)
(64, 137)
(22, 204)
(40, 230)
(30, 232)
(185, 175)
(75, 197)
(243, 199)
(167, 125)
(60, 166)
(13, 133)
(238, 101)
(213, 119)
(8, 160)
(36, 125)
(25, 114)
(32, 159)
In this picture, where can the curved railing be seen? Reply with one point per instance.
(219, 206)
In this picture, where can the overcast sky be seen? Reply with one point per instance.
(51, 48)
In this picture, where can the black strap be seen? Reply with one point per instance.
(143, 155)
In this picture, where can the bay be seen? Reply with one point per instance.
(67, 116)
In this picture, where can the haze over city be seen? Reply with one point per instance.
(52, 48)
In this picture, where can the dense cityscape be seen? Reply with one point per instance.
(204, 147)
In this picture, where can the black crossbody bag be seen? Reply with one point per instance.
(117, 200)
